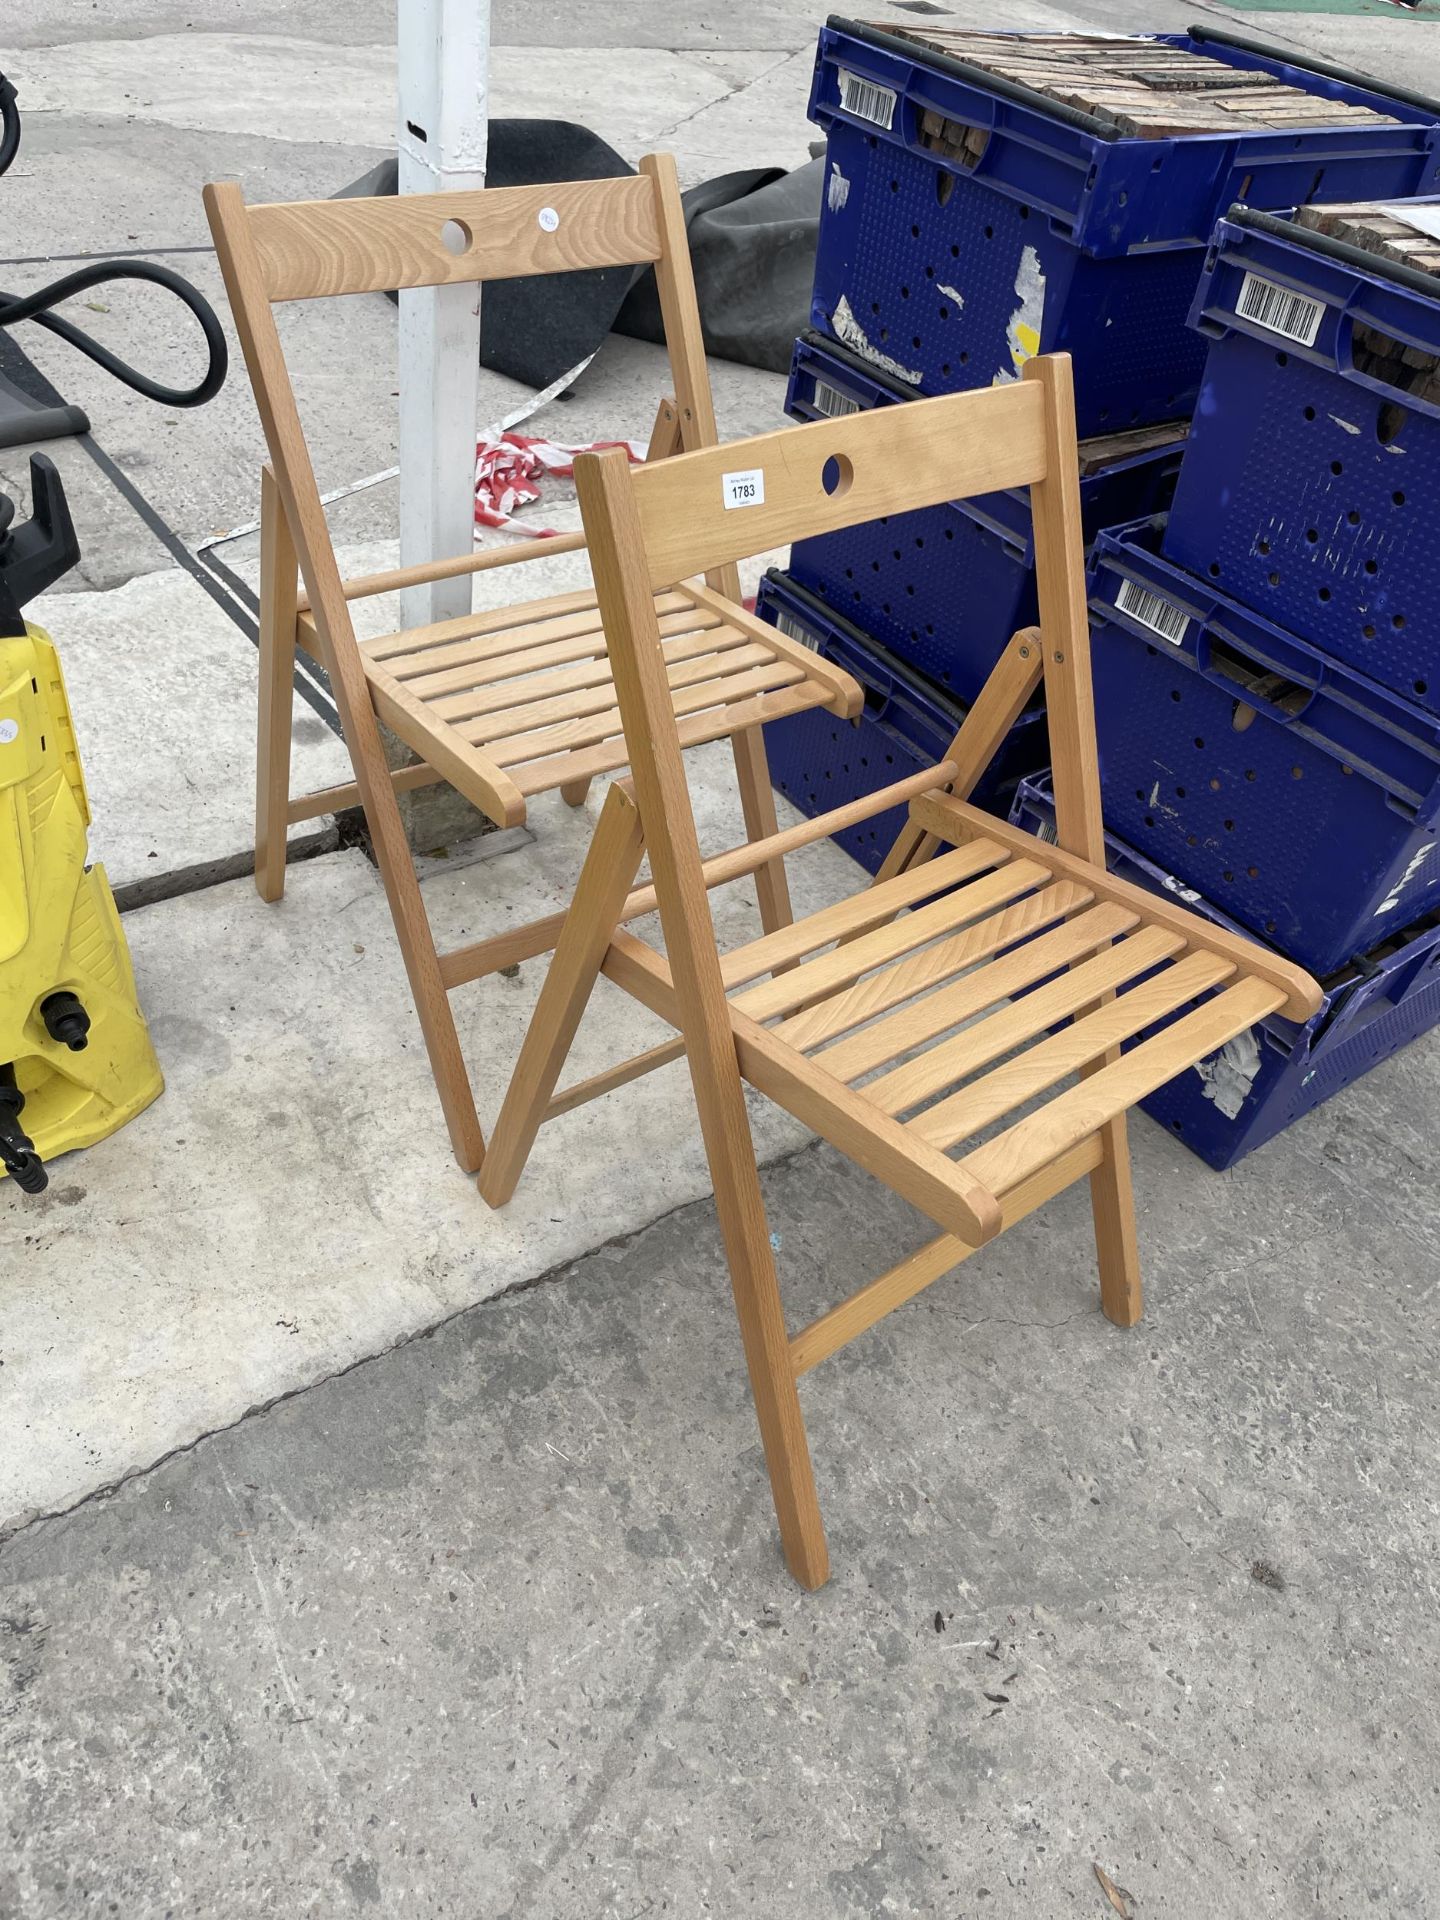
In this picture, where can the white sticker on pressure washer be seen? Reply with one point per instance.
(1294, 316)
(745, 489)
(832, 403)
(9, 730)
(1152, 610)
(866, 100)
(549, 219)
(794, 629)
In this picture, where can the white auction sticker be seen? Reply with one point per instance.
(743, 489)
(549, 219)
(9, 730)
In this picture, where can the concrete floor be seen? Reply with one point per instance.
(309, 1659)
(496, 1624)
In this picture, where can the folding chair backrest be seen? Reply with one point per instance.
(315, 249)
(765, 492)
(711, 507)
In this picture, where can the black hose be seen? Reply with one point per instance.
(9, 124)
(33, 306)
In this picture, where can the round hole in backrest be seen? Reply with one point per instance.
(455, 237)
(836, 475)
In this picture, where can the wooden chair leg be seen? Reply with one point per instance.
(575, 792)
(1112, 1199)
(432, 1002)
(278, 594)
(757, 801)
(758, 1308)
(412, 930)
(605, 880)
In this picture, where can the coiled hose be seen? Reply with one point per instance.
(35, 306)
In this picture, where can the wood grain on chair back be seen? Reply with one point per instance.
(310, 249)
(722, 504)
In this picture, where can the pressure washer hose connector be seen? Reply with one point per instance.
(17, 1150)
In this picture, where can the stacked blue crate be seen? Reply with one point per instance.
(1300, 797)
(1312, 488)
(1267, 659)
(1270, 1076)
(970, 221)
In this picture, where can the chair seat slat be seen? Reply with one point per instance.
(872, 1046)
(873, 908)
(590, 729)
(716, 723)
(1027, 1146)
(511, 722)
(976, 1046)
(473, 626)
(1013, 1082)
(493, 696)
(888, 945)
(876, 992)
(500, 662)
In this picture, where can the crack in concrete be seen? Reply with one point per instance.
(744, 86)
(178, 881)
(1008, 1320)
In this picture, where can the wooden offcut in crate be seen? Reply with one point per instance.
(1142, 88)
(1380, 229)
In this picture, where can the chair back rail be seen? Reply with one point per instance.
(312, 249)
(767, 491)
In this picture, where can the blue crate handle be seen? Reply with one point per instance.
(816, 357)
(1296, 666)
(1355, 720)
(878, 692)
(1354, 287)
(1248, 695)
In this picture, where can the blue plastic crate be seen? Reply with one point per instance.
(1062, 236)
(1310, 488)
(819, 761)
(1268, 1077)
(1300, 797)
(945, 587)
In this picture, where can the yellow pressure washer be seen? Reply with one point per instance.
(75, 1055)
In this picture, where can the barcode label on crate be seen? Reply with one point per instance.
(1152, 610)
(832, 403)
(1294, 316)
(1047, 832)
(866, 100)
(794, 629)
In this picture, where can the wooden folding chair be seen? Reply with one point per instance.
(980, 971)
(508, 704)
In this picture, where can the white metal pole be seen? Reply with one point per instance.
(444, 116)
